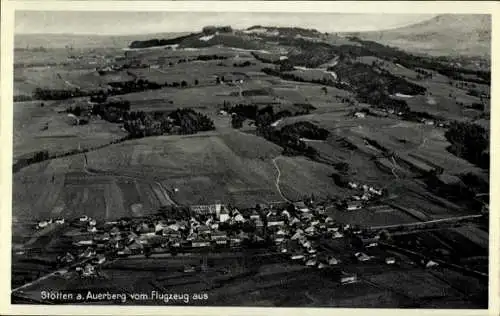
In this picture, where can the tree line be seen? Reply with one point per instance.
(116, 88)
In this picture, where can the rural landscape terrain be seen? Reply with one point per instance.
(265, 166)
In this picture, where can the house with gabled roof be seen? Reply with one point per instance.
(200, 243)
(275, 220)
(126, 251)
(216, 235)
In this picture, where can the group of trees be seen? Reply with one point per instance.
(423, 74)
(142, 124)
(112, 111)
(263, 116)
(100, 97)
(200, 58)
(291, 143)
(469, 141)
(59, 94)
(375, 86)
(243, 64)
(289, 137)
(39, 156)
(22, 98)
(306, 130)
(175, 84)
(210, 30)
(181, 121)
(124, 87)
(190, 121)
(158, 42)
(210, 57)
(77, 110)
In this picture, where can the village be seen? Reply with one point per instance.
(302, 232)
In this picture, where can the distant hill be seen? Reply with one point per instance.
(250, 38)
(82, 41)
(450, 34)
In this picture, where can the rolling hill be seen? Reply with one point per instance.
(78, 41)
(450, 34)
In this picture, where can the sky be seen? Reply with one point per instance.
(132, 23)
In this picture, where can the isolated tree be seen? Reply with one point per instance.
(237, 121)
(183, 84)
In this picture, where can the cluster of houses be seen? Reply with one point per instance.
(46, 223)
(366, 193)
(297, 235)
(146, 236)
(295, 231)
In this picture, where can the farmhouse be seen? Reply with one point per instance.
(348, 278)
(218, 235)
(332, 261)
(311, 262)
(43, 224)
(362, 256)
(199, 243)
(222, 241)
(390, 260)
(301, 206)
(124, 252)
(68, 258)
(353, 205)
(275, 220)
(297, 256)
(100, 259)
(84, 242)
(224, 215)
(294, 221)
(206, 209)
(431, 264)
(89, 270)
(89, 252)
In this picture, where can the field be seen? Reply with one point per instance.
(71, 190)
(39, 128)
(202, 168)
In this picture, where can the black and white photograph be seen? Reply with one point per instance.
(251, 159)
